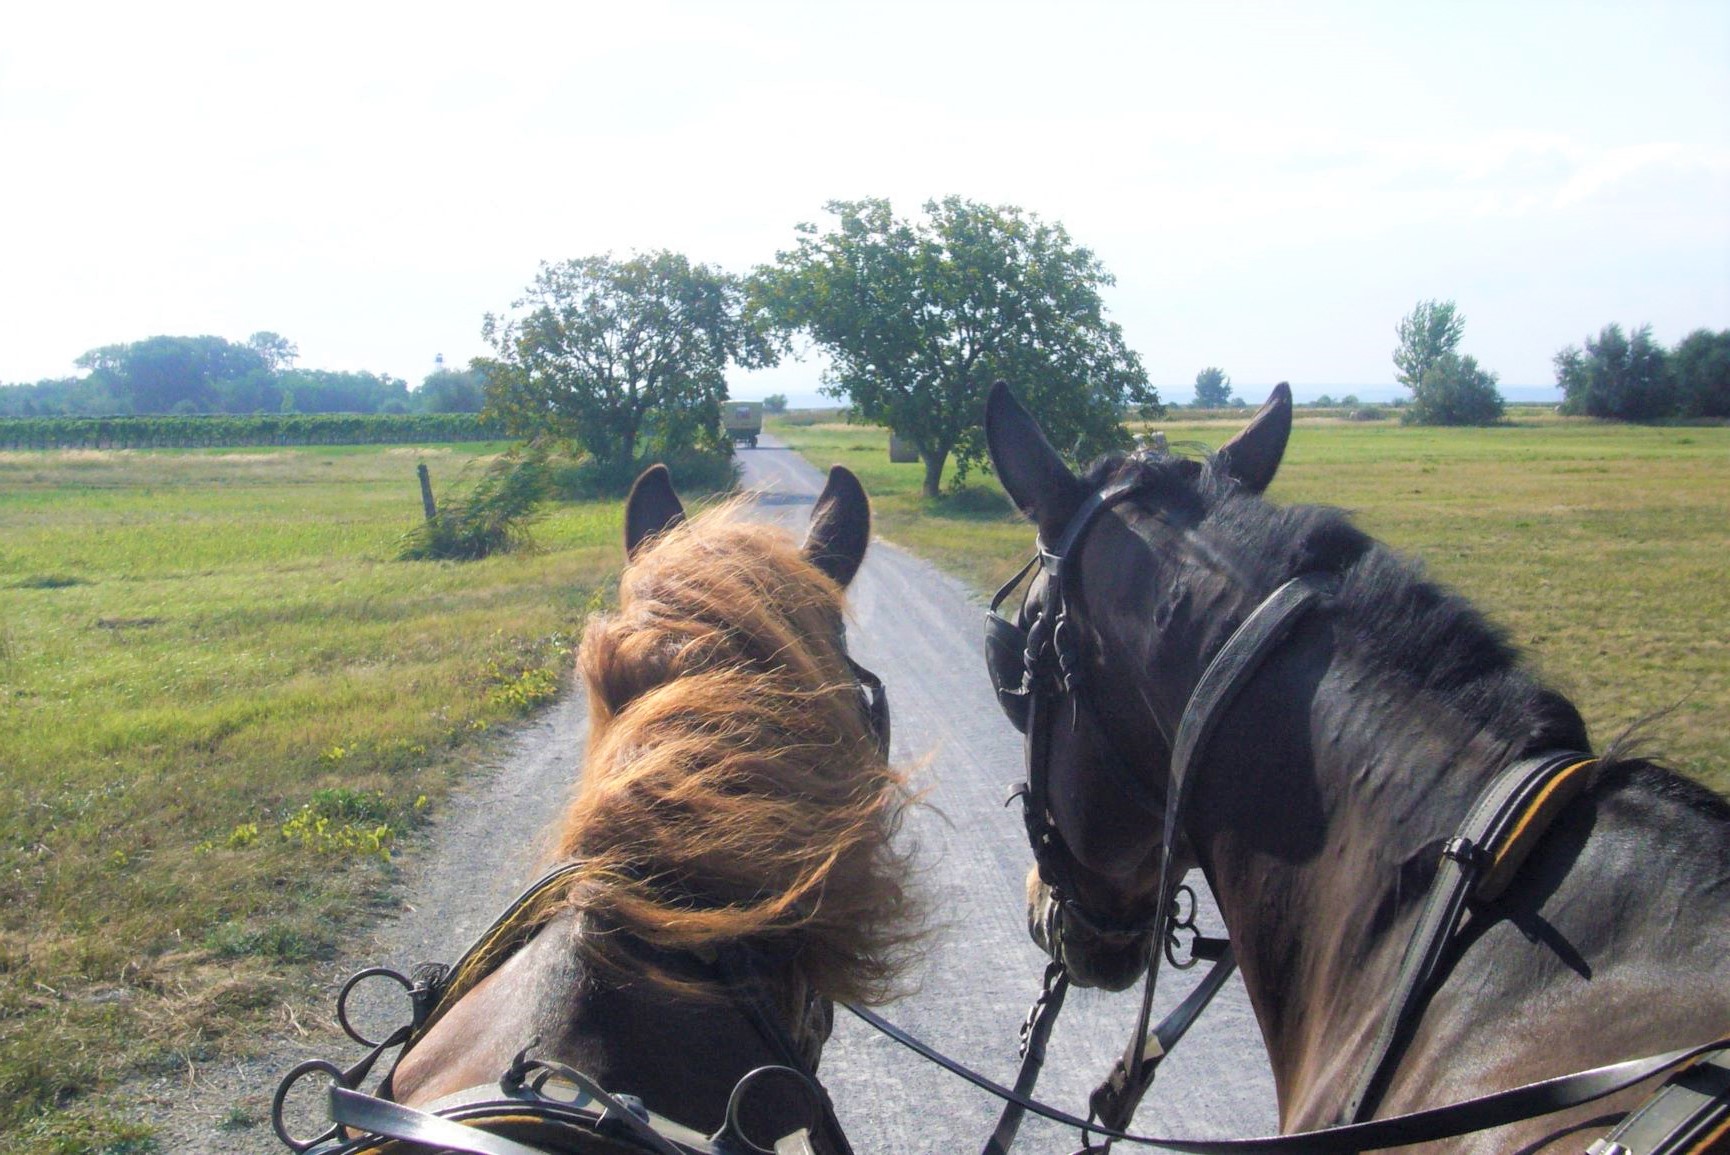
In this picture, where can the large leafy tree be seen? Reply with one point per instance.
(615, 354)
(1455, 391)
(1702, 373)
(919, 317)
(1447, 389)
(1428, 333)
(452, 391)
(1212, 388)
(1621, 376)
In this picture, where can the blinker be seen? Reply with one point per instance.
(874, 704)
(1006, 656)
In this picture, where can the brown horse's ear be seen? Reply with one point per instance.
(840, 526)
(1038, 481)
(1253, 456)
(652, 508)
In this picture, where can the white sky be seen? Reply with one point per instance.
(1272, 185)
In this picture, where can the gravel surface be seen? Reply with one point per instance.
(921, 632)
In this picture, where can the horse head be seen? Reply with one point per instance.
(726, 861)
(1129, 603)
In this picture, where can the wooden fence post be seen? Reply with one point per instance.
(426, 497)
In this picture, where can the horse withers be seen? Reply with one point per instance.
(1314, 721)
(726, 865)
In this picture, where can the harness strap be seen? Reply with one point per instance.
(1687, 1116)
(736, 969)
(1503, 1107)
(1484, 842)
(1227, 674)
(383, 1117)
(1035, 1033)
(1114, 1101)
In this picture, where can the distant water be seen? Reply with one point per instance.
(1254, 395)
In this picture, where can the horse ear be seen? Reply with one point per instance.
(1038, 481)
(840, 526)
(652, 508)
(1253, 456)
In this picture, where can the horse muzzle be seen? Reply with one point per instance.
(1105, 958)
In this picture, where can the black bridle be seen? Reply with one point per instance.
(1033, 665)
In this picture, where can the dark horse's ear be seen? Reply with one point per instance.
(1038, 481)
(652, 508)
(1253, 456)
(840, 526)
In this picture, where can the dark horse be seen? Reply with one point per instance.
(728, 868)
(1320, 798)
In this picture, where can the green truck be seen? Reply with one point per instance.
(743, 421)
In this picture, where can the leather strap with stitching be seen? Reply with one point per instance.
(1501, 812)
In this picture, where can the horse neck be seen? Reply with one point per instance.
(1318, 812)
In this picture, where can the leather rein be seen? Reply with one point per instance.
(1504, 824)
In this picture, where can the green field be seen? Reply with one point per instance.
(1604, 549)
(222, 702)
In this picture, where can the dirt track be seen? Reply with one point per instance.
(921, 632)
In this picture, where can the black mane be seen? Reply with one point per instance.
(1395, 619)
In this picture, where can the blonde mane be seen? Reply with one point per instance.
(733, 791)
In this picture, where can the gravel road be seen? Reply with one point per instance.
(920, 631)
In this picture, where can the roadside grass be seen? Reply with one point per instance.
(1600, 548)
(222, 707)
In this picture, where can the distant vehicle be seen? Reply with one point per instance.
(743, 420)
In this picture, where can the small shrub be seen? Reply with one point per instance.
(493, 518)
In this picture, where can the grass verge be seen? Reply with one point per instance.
(222, 706)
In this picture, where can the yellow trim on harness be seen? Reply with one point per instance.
(1708, 1143)
(1507, 859)
(504, 938)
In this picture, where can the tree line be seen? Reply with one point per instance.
(212, 375)
(197, 432)
(1617, 376)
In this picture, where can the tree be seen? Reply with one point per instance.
(1427, 333)
(277, 352)
(176, 374)
(1701, 363)
(919, 317)
(1616, 376)
(1212, 389)
(609, 353)
(1455, 391)
(339, 391)
(775, 403)
(452, 391)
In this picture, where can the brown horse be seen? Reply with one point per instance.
(1320, 795)
(729, 861)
